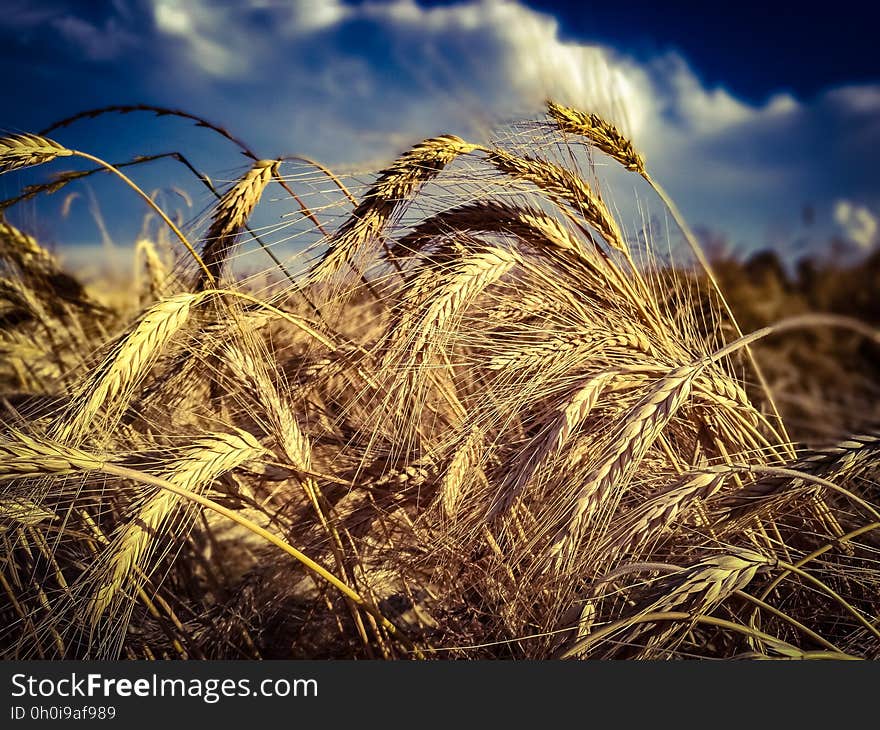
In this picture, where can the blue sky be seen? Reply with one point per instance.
(747, 115)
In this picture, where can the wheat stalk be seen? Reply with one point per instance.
(394, 185)
(231, 215)
(125, 367)
(198, 466)
(25, 150)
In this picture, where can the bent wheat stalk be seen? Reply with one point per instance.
(30, 453)
(115, 379)
(200, 463)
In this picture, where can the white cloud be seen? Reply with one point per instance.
(308, 16)
(859, 224)
(538, 64)
(347, 83)
(199, 27)
(706, 111)
(859, 99)
(500, 56)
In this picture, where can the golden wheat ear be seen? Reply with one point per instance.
(156, 271)
(17, 511)
(113, 382)
(601, 134)
(200, 464)
(232, 213)
(26, 150)
(24, 250)
(562, 186)
(392, 189)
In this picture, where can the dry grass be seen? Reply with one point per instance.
(484, 422)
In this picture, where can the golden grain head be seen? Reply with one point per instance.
(26, 150)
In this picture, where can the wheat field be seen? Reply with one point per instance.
(476, 417)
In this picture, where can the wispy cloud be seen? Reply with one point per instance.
(200, 30)
(98, 43)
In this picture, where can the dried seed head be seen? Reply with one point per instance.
(26, 150)
(232, 213)
(603, 135)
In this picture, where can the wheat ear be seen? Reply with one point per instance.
(117, 376)
(691, 592)
(22, 511)
(23, 455)
(231, 215)
(627, 446)
(28, 456)
(608, 139)
(603, 135)
(491, 216)
(464, 281)
(24, 250)
(293, 442)
(551, 440)
(660, 512)
(561, 185)
(197, 467)
(156, 271)
(394, 186)
(463, 461)
(25, 150)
